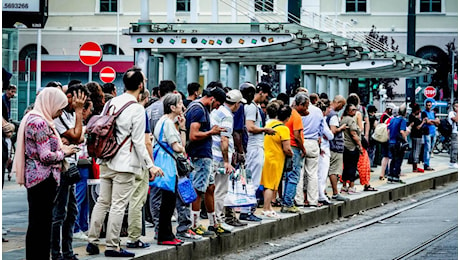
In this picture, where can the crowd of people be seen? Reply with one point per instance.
(288, 146)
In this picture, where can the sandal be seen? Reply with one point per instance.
(277, 203)
(369, 188)
(382, 178)
(270, 214)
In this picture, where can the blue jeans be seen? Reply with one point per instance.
(292, 177)
(81, 195)
(396, 162)
(64, 215)
(428, 141)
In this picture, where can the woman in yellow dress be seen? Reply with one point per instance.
(276, 147)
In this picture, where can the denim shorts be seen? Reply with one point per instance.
(202, 175)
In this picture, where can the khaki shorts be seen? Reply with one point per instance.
(336, 166)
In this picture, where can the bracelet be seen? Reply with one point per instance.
(182, 130)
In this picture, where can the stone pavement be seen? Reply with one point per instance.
(268, 229)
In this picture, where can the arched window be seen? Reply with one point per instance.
(111, 49)
(30, 51)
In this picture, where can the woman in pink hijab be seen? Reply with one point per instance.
(38, 164)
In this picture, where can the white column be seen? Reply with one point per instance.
(310, 82)
(343, 87)
(171, 12)
(193, 11)
(333, 87)
(193, 69)
(233, 75)
(251, 74)
(234, 11)
(215, 11)
(213, 70)
(170, 66)
(322, 84)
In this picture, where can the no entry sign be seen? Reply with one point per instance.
(90, 53)
(429, 92)
(107, 74)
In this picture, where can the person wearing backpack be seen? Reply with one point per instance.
(453, 120)
(429, 133)
(385, 149)
(118, 172)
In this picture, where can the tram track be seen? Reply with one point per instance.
(380, 219)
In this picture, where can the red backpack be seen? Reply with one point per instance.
(101, 136)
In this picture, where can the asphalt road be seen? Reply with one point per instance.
(394, 236)
(385, 240)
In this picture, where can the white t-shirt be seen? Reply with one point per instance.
(252, 113)
(452, 123)
(170, 133)
(67, 122)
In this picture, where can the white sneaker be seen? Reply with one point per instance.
(227, 226)
(453, 165)
(80, 235)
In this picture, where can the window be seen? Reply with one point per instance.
(430, 6)
(355, 6)
(263, 5)
(111, 49)
(183, 5)
(108, 6)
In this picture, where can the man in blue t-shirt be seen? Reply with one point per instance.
(429, 135)
(199, 149)
(398, 137)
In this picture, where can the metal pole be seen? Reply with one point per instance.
(118, 28)
(28, 80)
(39, 60)
(90, 73)
(453, 77)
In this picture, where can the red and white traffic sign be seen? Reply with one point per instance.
(90, 53)
(107, 74)
(429, 92)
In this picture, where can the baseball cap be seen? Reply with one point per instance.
(390, 105)
(266, 88)
(247, 85)
(218, 94)
(235, 96)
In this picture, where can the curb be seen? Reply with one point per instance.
(292, 223)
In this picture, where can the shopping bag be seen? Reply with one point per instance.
(163, 160)
(186, 191)
(240, 193)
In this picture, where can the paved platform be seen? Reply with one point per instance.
(269, 229)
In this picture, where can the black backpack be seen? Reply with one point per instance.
(445, 128)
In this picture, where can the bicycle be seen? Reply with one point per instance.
(442, 144)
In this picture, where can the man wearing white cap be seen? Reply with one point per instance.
(222, 151)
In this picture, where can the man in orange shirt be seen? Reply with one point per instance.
(301, 102)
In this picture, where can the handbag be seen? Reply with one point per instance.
(167, 163)
(183, 165)
(185, 190)
(240, 193)
(71, 176)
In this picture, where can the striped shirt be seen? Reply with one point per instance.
(222, 117)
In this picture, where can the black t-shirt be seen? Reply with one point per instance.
(196, 112)
(415, 133)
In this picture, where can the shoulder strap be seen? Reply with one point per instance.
(160, 142)
(124, 107)
(275, 126)
(62, 121)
